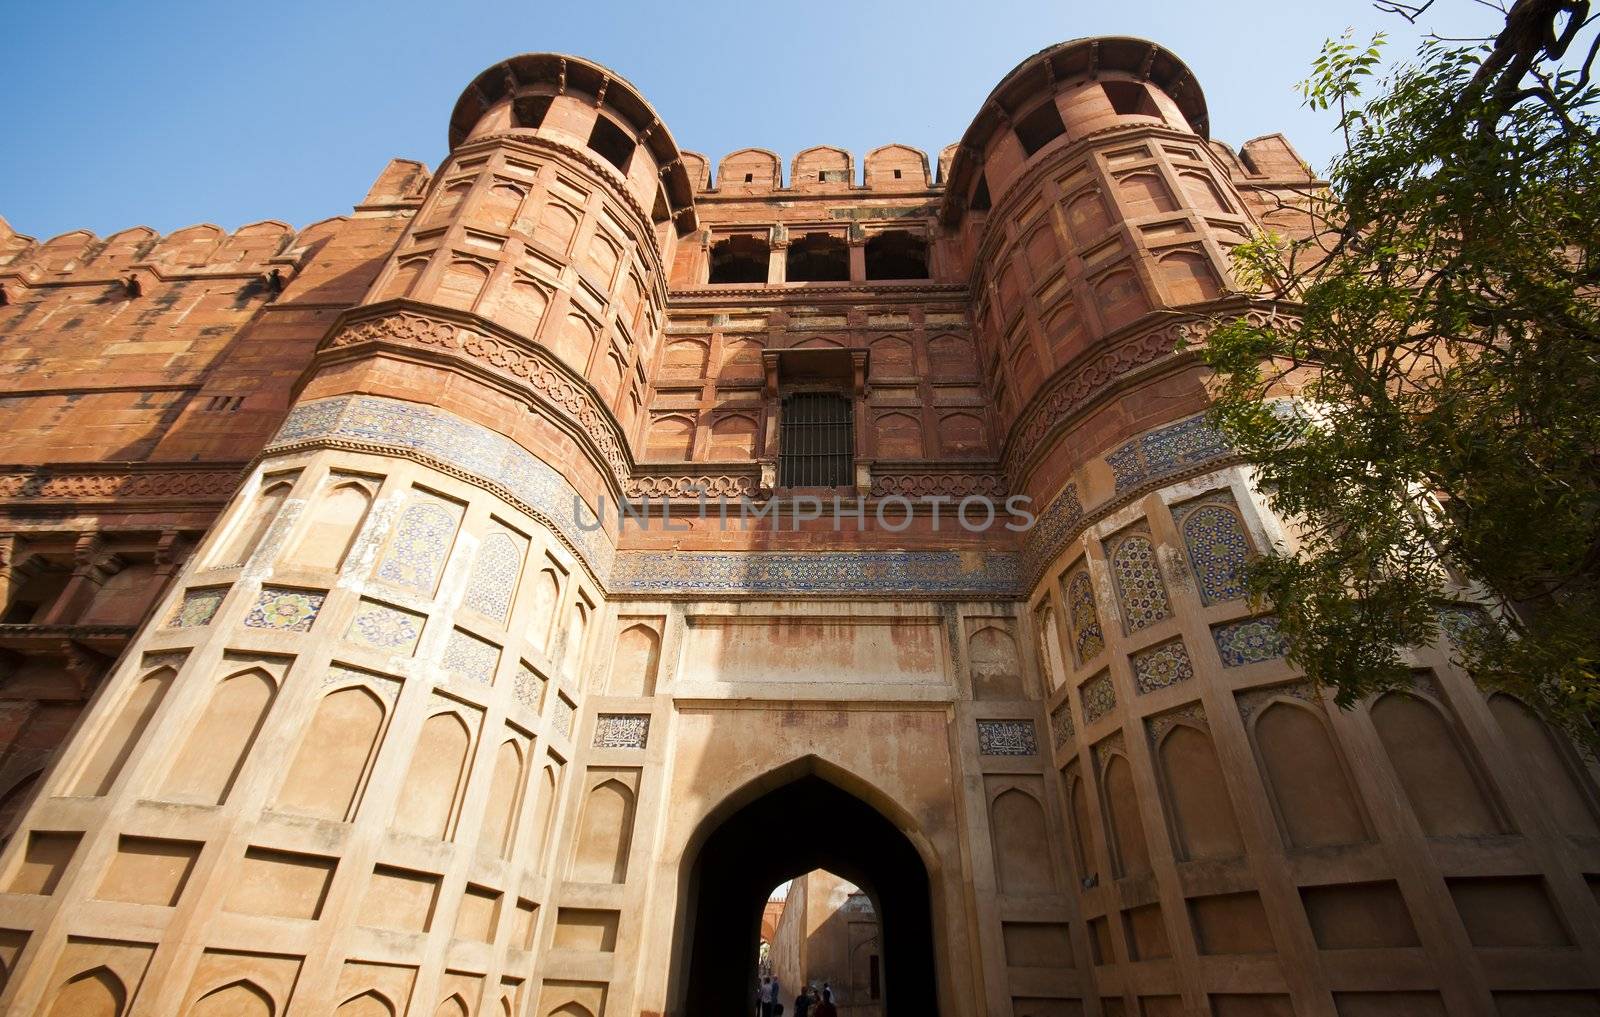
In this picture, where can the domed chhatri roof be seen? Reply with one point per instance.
(571, 73)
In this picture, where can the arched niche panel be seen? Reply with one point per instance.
(558, 224)
(257, 521)
(1130, 853)
(576, 341)
(576, 633)
(1021, 855)
(633, 667)
(733, 437)
(952, 357)
(1315, 801)
(220, 740)
(12, 803)
(892, 358)
(522, 305)
(1052, 665)
(403, 277)
(449, 201)
(546, 599)
(1444, 786)
(1144, 194)
(995, 664)
(670, 437)
(741, 358)
(369, 1004)
(495, 571)
(1188, 277)
(94, 993)
(499, 207)
(899, 436)
(685, 359)
(432, 788)
(1119, 298)
(1550, 765)
(116, 742)
(331, 525)
(1203, 821)
(605, 832)
(505, 799)
(241, 999)
(1087, 217)
(961, 434)
(544, 814)
(1078, 816)
(454, 1006)
(462, 284)
(336, 755)
(1202, 193)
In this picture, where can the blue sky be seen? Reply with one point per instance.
(170, 113)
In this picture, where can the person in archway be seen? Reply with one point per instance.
(802, 1002)
(824, 1007)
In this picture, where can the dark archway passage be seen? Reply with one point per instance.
(805, 824)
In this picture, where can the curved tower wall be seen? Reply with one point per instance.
(332, 765)
(1241, 846)
(386, 744)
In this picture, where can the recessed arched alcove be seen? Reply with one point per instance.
(807, 815)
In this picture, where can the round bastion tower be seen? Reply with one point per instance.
(326, 776)
(1240, 846)
(391, 742)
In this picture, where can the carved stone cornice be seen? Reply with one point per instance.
(711, 485)
(1094, 375)
(915, 484)
(782, 292)
(209, 484)
(532, 368)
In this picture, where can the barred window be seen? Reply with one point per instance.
(815, 439)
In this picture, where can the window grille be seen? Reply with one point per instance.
(815, 439)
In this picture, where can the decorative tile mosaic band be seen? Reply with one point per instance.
(1218, 549)
(1058, 523)
(1458, 621)
(198, 607)
(1161, 666)
(466, 448)
(528, 687)
(481, 455)
(561, 717)
(1099, 696)
(382, 627)
(1250, 641)
(1007, 738)
(621, 730)
(494, 576)
(1088, 639)
(1061, 723)
(284, 609)
(466, 656)
(833, 572)
(1165, 450)
(1139, 585)
(421, 543)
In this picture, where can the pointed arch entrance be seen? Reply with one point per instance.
(805, 816)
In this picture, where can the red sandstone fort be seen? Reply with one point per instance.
(318, 698)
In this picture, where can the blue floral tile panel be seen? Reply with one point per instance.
(1250, 641)
(284, 609)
